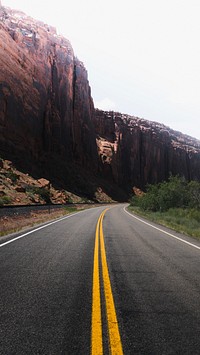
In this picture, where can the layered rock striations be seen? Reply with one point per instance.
(48, 122)
(134, 151)
(45, 102)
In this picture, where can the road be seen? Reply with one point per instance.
(99, 281)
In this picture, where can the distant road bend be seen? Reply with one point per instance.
(100, 281)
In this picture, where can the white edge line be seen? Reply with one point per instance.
(37, 229)
(161, 230)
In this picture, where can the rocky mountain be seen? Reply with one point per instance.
(50, 129)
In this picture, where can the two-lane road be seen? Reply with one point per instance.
(106, 281)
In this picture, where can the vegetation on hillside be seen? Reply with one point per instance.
(174, 203)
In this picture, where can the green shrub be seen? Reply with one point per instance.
(174, 193)
(5, 200)
(194, 194)
(42, 192)
(12, 176)
(149, 201)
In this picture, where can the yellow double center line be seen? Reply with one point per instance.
(112, 324)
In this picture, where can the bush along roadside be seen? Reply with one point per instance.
(174, 203)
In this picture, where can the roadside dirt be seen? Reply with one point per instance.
(11, 224)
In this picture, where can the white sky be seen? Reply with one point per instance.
(142, 56)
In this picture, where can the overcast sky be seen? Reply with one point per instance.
(142, 56)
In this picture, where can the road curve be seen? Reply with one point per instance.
(47, 287)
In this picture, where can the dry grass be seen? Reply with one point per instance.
(17, 223)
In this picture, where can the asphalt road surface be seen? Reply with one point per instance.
(99, 283)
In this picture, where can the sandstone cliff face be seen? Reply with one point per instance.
(48, 121)
(135, 151)
(45, 103)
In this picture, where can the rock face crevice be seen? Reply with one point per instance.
(48, 121)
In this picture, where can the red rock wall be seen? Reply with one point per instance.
(45, 101)
(142, 152)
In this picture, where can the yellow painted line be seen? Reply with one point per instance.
(96, 343)
(115, 345)
(113, 329)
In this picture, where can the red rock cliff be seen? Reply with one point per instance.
(134, 151)
(45, 102)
